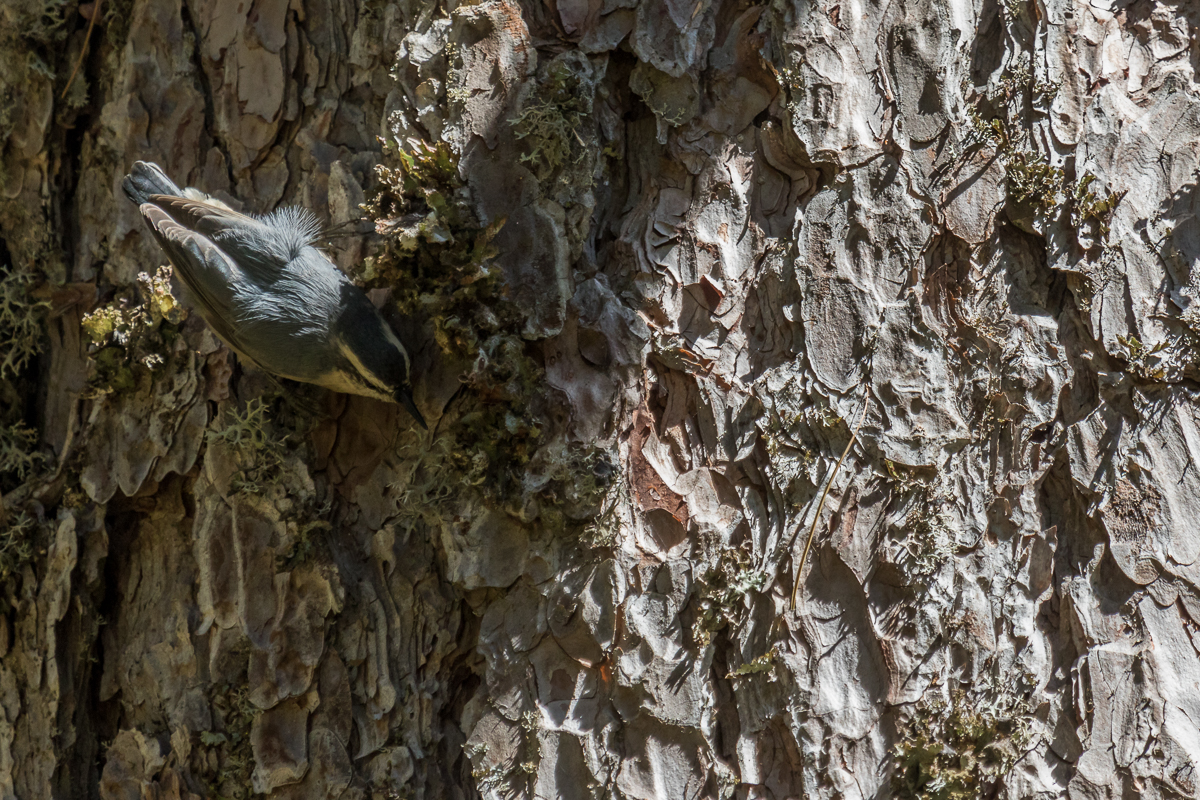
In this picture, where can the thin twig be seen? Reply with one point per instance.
(812, 532)
(83, 52)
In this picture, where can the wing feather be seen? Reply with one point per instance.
(201, 216)
(263, 247)
(209, 274)
(248, 242)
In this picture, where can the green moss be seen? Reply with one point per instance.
(438, 262)
(122, 322)
(1147, 363)
(1089, 208)
(961, 749)
(1032, 179)
(438, 257)
(1018, 84)
(491, 444)
(157, 298)
(1034, 184)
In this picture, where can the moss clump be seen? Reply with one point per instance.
(498, 435)
(961, 749)
(119, 324)
(1034, 184)
(1089, 208)
(128, 340)
(1032, 179)
(438, 257)
(438, 262)
(21, 318)
(1147, 363)
(158, 299)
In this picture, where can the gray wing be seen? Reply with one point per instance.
(256, 248)
(209, 274)
(260, 247)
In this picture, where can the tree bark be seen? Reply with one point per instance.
(660, 265)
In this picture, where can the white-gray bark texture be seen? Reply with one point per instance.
(660, 263)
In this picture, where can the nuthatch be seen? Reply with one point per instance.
(270, 295)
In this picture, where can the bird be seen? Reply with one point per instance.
(270, 294)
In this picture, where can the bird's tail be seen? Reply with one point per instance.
(146, 179)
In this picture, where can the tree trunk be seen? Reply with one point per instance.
(663, 267)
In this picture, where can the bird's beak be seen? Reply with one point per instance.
(404, 396)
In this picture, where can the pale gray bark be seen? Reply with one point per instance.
(728, 230)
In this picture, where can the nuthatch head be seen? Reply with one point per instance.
(270, 295)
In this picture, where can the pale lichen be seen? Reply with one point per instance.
(21, 317)
(19, 458)
(250, 434)
(961, 748)
(553, 122)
